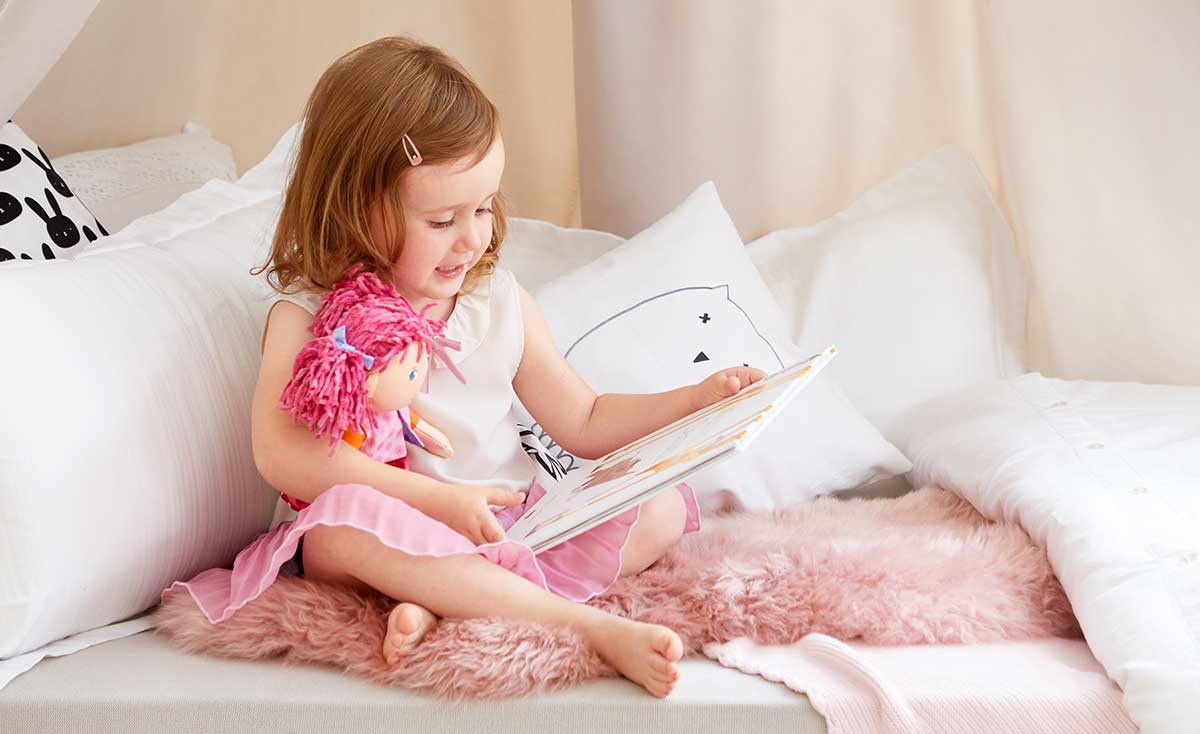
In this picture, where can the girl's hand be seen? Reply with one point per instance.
(721, 385)
(464, 508)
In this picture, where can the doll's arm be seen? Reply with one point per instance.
(433, 440)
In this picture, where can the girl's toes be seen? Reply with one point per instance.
(407, 626)
(668, 644)
(662, 689)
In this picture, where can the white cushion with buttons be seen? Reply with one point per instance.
(1107, 476)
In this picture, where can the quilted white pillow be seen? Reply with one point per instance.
(918, 283)
(125, 434)
(680, 301)
(123, 183)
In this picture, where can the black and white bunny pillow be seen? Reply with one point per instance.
(40, 219)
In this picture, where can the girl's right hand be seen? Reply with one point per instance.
(465, 509)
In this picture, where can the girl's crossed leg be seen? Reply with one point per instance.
(467, 586)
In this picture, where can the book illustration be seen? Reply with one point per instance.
(680, 458)
(607, 471)
(618, 464)
(556, 461)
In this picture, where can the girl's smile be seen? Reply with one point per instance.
(451, 273)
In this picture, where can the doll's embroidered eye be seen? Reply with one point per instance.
(412, 376)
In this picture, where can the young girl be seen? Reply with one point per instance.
(398, 171)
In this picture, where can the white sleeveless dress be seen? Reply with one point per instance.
(478, 420)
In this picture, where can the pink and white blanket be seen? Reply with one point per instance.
(1046, 686)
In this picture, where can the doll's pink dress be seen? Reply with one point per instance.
(478, 420)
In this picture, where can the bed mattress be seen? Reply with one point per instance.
(142, 684)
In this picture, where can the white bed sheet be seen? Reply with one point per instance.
(142, 684)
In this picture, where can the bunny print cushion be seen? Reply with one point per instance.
(40, 219)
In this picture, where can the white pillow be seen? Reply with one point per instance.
(680, 301)
(537, 252)
(918, 283)
(124, 183)
(125, 434)
(273, 171)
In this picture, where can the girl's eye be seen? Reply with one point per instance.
(412, 376)
(450, 222)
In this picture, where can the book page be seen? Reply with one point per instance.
(597, 490)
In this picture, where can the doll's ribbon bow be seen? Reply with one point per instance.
(339, 339)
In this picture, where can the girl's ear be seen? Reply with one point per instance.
(372, 383)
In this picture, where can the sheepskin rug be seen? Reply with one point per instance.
(921, 568)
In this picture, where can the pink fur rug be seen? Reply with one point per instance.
(921, 568)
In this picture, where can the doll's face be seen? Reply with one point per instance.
(396, 386)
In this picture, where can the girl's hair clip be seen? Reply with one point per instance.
(410, 150)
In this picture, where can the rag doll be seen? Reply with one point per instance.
(353, 381)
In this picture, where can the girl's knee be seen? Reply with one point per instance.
(659, 526)
(664, 517)
(331, 553)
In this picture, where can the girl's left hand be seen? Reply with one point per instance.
(720, 385)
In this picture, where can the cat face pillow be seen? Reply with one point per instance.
(672, 306)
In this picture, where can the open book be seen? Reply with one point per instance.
(606, 487)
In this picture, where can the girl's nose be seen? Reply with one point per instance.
(469, 240)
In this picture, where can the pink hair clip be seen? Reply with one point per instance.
(414, 155)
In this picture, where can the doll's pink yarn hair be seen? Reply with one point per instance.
(328, 388)
(355, 289)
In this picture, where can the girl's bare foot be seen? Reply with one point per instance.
(644, 653)
(406, 627)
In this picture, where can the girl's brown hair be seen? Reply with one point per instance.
(351, 158)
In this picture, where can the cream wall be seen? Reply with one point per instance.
(140, 68)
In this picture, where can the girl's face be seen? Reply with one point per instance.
(447, 226)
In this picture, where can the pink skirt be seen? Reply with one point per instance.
(577, 569)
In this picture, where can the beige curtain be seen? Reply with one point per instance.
(140, 68)
(1083, 115)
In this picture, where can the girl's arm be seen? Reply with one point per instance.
(590, 426)
(287, 454)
